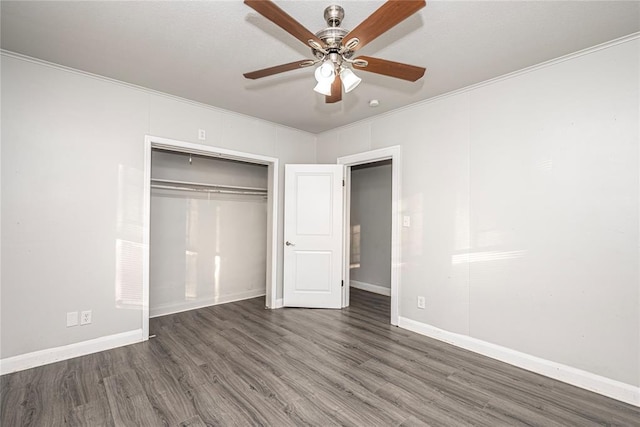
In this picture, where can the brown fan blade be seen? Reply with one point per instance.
(273, 13)
(391, 69)
(336, 91)
(278, 69)
(386, 17)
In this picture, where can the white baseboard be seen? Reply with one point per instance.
(376, 289)
(279, 303)
(56, 354)
(605, 386)
(165, 309)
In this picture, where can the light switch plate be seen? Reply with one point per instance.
(72, 318)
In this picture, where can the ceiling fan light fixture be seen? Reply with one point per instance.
(335, 46)
(349, 80)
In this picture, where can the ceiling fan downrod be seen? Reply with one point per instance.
(332, 35)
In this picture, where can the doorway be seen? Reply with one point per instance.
(392, 155)
(370, 227)
(179, 147)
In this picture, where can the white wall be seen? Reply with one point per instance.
(371, 214)
(206, 248)
(523, 195)
(72, 177)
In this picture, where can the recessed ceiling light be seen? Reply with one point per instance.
(374, 103)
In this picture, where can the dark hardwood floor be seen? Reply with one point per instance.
(238, 364)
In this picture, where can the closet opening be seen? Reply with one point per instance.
(209, 229)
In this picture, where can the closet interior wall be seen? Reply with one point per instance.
(208, 231)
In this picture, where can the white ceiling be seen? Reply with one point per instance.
(199, 49)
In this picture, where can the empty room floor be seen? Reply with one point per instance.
(239, 364)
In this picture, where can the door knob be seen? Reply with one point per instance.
(288, 243)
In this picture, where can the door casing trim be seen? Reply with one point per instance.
(389, 153)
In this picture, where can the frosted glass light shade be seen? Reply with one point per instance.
(349, 80)
(325, 72)
(323, 87)
(325, 75)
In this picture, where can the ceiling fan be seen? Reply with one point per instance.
(334, 47)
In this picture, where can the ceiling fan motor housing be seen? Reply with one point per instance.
(332, 36)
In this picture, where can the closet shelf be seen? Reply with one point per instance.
(201, 186)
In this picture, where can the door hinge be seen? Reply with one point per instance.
(342, 283)
(343, 182)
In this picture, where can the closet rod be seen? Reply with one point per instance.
(209, 190)
(202, 184)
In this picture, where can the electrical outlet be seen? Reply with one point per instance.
(72, 318)
(406, 221)
(85, 317)
(421, 302)
(202, 135)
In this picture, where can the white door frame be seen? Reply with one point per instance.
(151, 142)
(393, 154)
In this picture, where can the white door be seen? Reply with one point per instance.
(313, 236)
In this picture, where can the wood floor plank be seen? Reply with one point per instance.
(47, 396)
(194, 421)
(306, 324)
(408, 388)
(344, 391)
(262, 378)
(12, 398)
(354, 374)
(216, 407)
(238, 364)
(418, 407)
(517, 394)
(252, 403)
(128, 402)
(172, 407)
(413, 422)
(95, 413)
(306, 412)
(93, 405)
(176, 362)
(114, 361)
